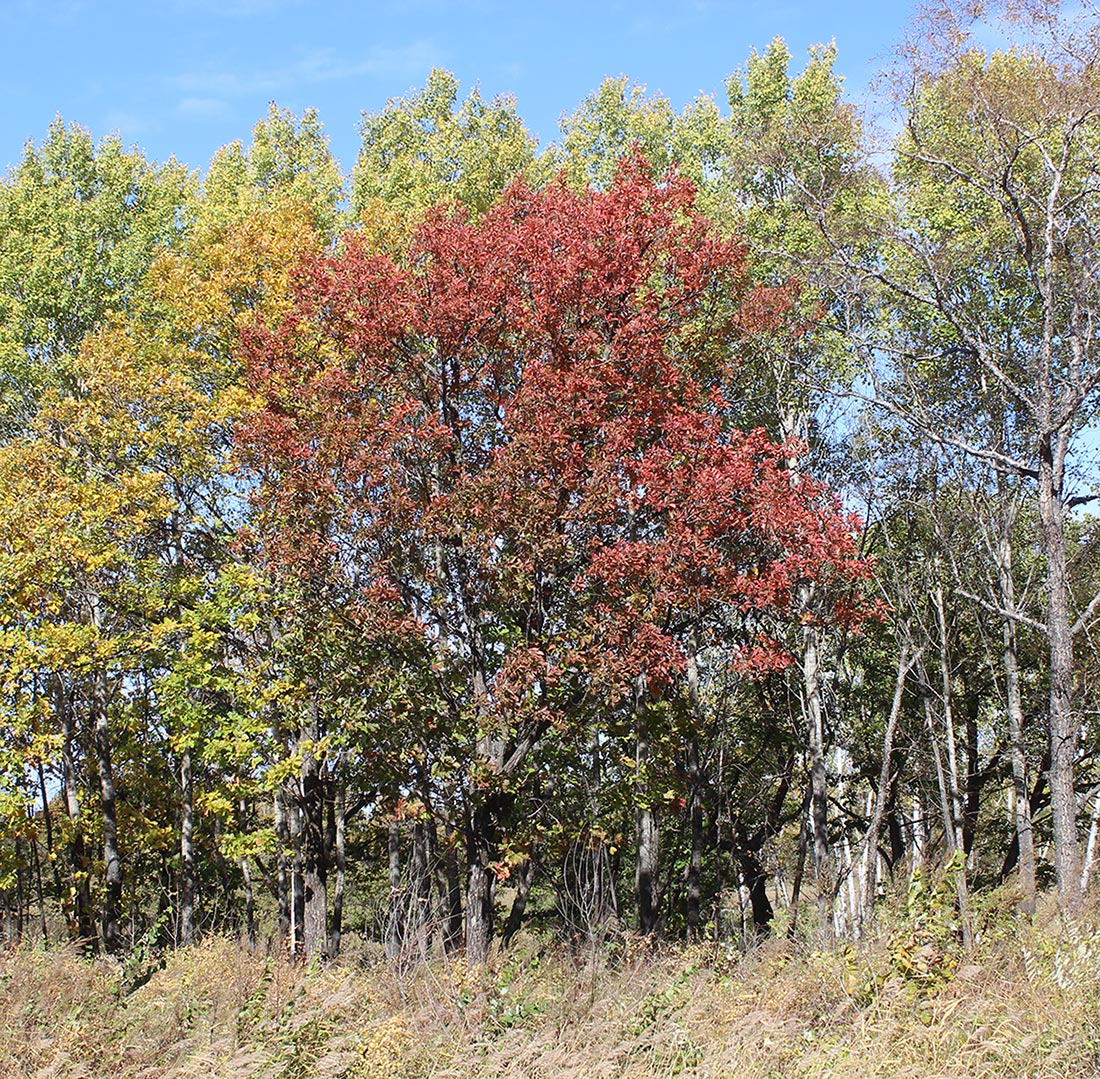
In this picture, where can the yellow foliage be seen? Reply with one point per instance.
(383, 1049)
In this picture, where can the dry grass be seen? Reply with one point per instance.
(1025, 1003)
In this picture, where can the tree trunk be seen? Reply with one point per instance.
(647, 869)
(284, 875)
(794, 424)
(695, 803)
(246, 878)
(1036, 801)
(647, 834)
(449, 885)
(754, 878)
(338, 809)
(894, 829)
(1063, 726)
(420, 890)
(112, 863)
(698, 838)
(22, 896)
(1014, 711)
(39, 891)
(958, 811)
(819, 785)
(79, 906)
(187, 852)
(1090, 846)
(314, 865)
(47, 817)
(905, 665)
(800, 867)
(974, 779)
(297, 882)
(954, 822)
(952, 827)
(479, 911)
(481, 847)
(525, 877)
(395, 919)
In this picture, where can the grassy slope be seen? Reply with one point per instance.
(1024, 1003)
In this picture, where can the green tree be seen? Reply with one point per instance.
(619, 118)
(991, 293)
(287, 166)
(427, 149)
(79, 227)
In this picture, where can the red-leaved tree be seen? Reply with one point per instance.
(511, 463)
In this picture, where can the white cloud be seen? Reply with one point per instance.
(204, 88)
(201, 106)
(61, 13)
(127, 125)
(233, 8)
(406, 60)
(215, 85)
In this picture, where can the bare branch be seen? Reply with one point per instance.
(1086, 615)
(939, 437)
(1014, 616)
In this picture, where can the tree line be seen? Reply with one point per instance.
(683, 527)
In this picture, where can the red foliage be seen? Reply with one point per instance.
(519, 449)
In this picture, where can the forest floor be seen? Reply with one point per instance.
(1023, 1001)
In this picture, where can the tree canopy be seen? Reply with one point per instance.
(471, 542)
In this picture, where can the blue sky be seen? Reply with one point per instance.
(187, 76)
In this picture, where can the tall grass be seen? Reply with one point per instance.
(1023, 1003)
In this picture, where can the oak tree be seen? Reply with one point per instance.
(516, 456)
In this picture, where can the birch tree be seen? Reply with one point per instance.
(991, 296)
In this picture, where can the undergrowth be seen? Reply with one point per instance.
(1023, 1001)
